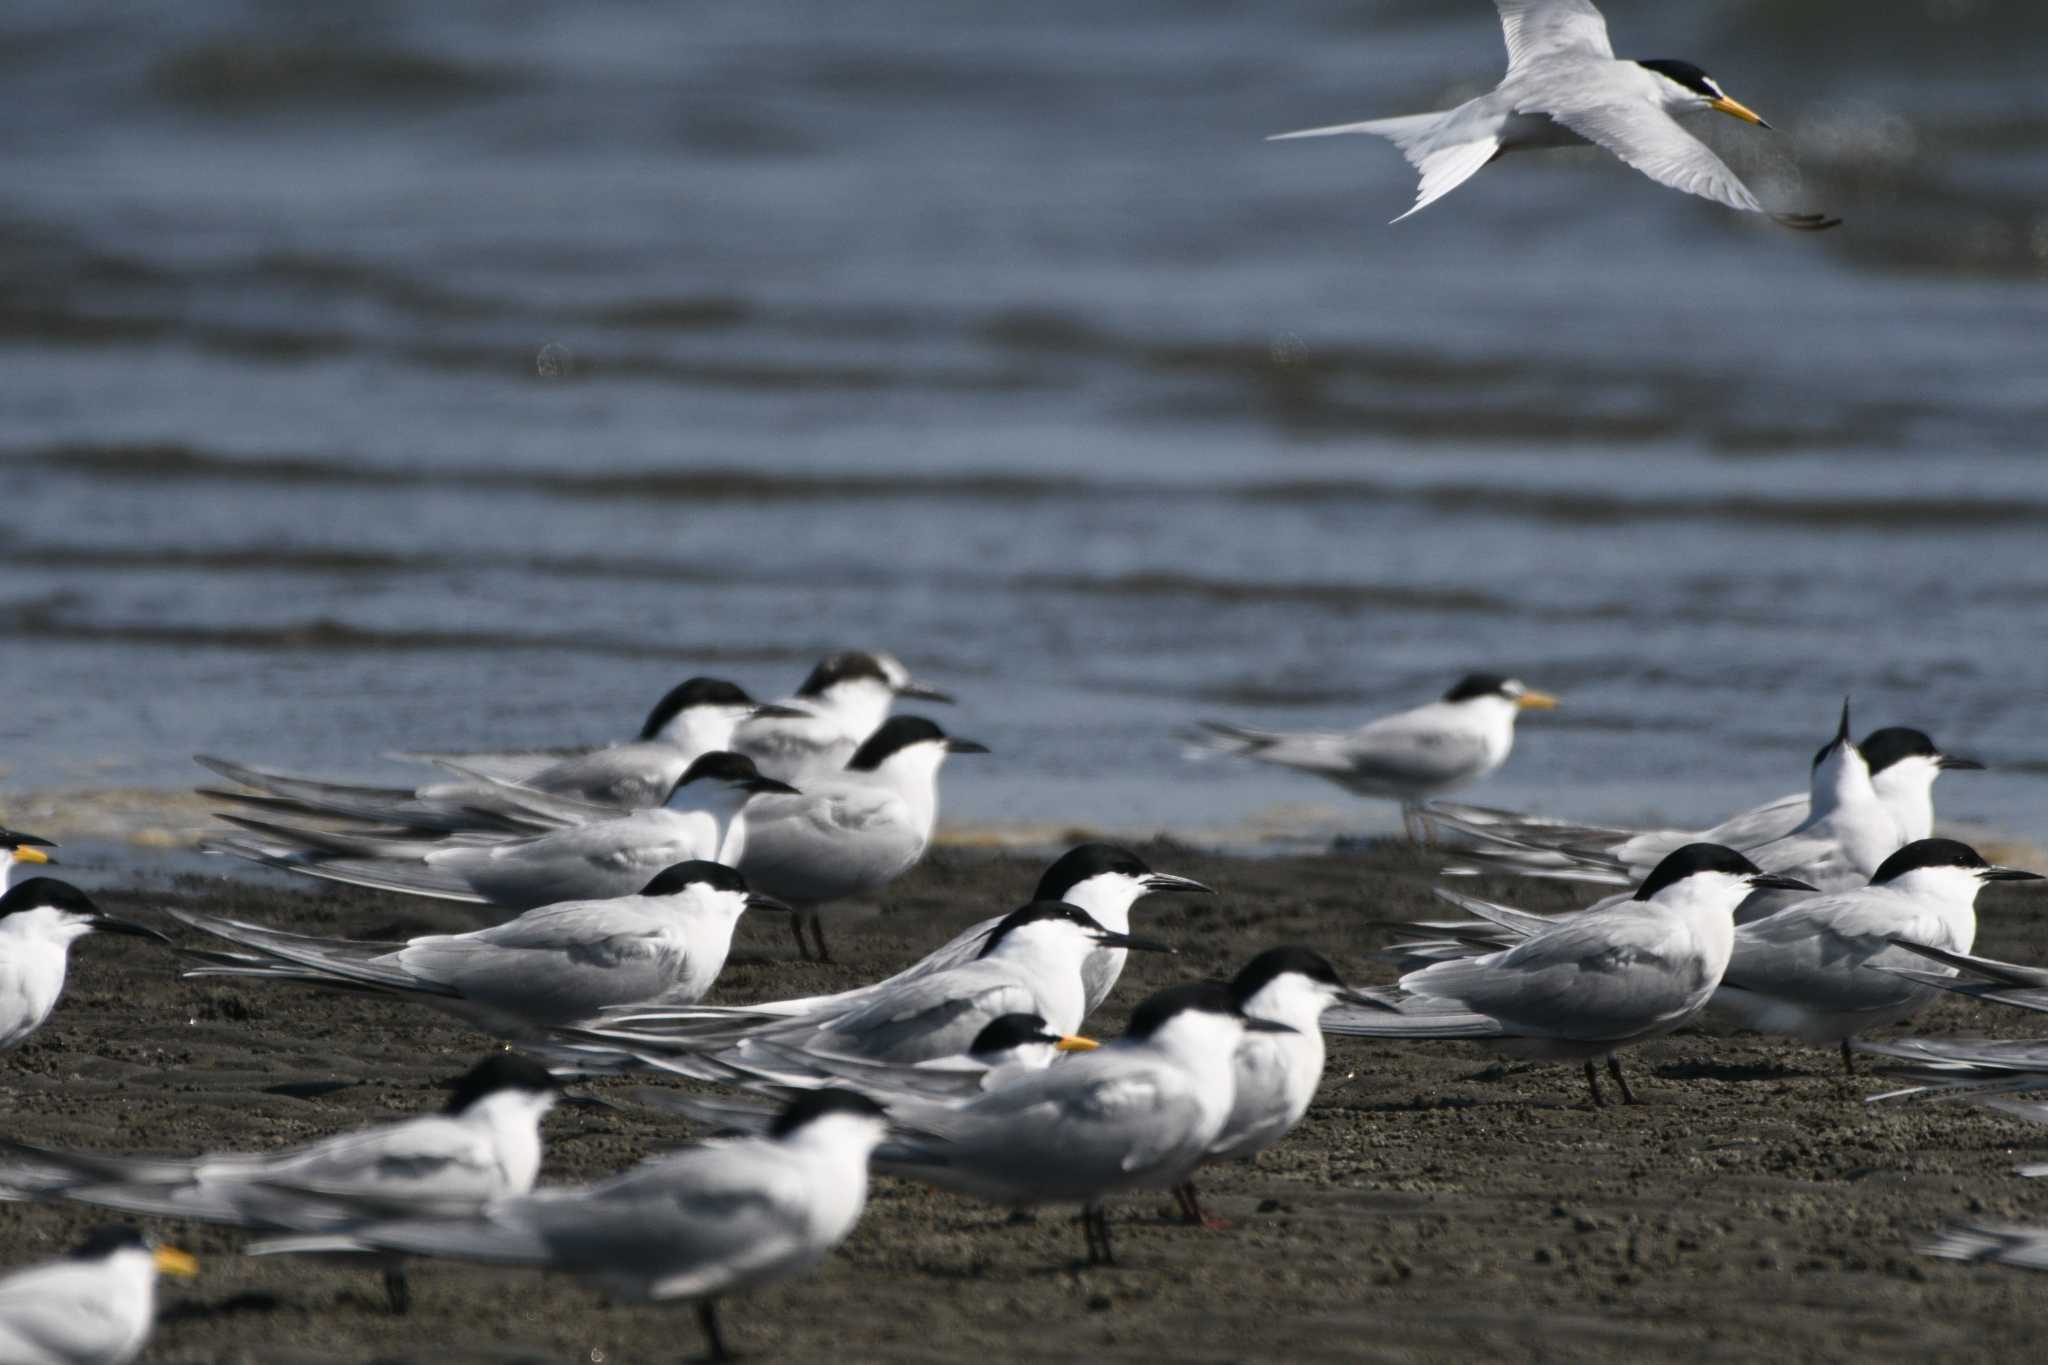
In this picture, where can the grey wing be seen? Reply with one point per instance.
(1122, 1117)
(394, 1166)
(1650, 140)
(612, 858)
(1818, 951)
(1415, 749)
(627, 775)
(1547, 28)
(561, 962)
(924, 1018)
(1598, 975)
(815, 848)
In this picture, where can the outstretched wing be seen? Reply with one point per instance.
(1547, 28)
(1652, 142)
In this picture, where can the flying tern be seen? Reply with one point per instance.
(546, 968)
(843, 701)
(485, 1144)
(1580, 988)
(706, 817)
(697, 1224)
(1407, 757)
(39, 921)
(853, 832)
(1565, 88)
(94, 1306)
(1814, 969)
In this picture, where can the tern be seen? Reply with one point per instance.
(853, 832)
(1565, 88)
(1276, 1073)
(706, 817)
(1904, 764)
(485, 1144)
(94, 1306)
(1806, 972)
(1139, 1113)
(1580, 988)
(698, 1224)
(507, 792)
(1030, 964)
(17, 848)
(39, 921)
(2005, 1243)
(843, 701)
(547, 968)
(1407, 757)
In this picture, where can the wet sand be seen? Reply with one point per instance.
(1431, 1207)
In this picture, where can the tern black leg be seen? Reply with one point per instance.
(796, 926)
(397, 1290)
(707, 1318)
(1593, 1084)
(1848, 1059)
(1628, 1096)
(818, 933)
(1095, 1226)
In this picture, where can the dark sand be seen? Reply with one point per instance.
(1430, 1208)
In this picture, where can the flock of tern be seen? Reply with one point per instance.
(1817, 917)
(615, 878)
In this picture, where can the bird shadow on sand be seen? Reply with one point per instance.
(1709, 1070)
(248, 1301)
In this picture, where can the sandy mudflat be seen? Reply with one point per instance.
(1431, 1207)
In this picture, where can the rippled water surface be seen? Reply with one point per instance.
(415, 375)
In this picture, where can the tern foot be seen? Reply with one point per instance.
(714, 1340)
(397, 1291)
(1593, 1084)
(1848, 1059)
(1628, 1096)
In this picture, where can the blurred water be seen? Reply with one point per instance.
(415, 375)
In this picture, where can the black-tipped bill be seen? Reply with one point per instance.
(965, 746)
(769, 786)
(114, 924)
(1964, 765)
(1771, 881)
(923, 692)
(1156, 882)
(757, 901)
(771, 711)
(1995, 873)
(1110, 938)
(1359, 1000)
(1256, 1025)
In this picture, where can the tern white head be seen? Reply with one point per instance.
(1903, 765)
(700, 714)
(1565, 87)
(39, 921)
(94, 1306)
(843, 701)
(17, 849)
(1107, 881)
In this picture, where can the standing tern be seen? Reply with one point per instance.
(1139, 1113)
(1806, 972)
(546, 968)
(39, 921)
(484, 1145)
(1584, 987)
(1565, 88)
(17, 848)
(706, 817)
(853, 832)
(1031, 964)
(1276, 1073)
(726, 1215)
(843, 701)
(1406, 757)
(94, 1306)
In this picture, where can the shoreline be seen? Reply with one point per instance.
(1431, 1207)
